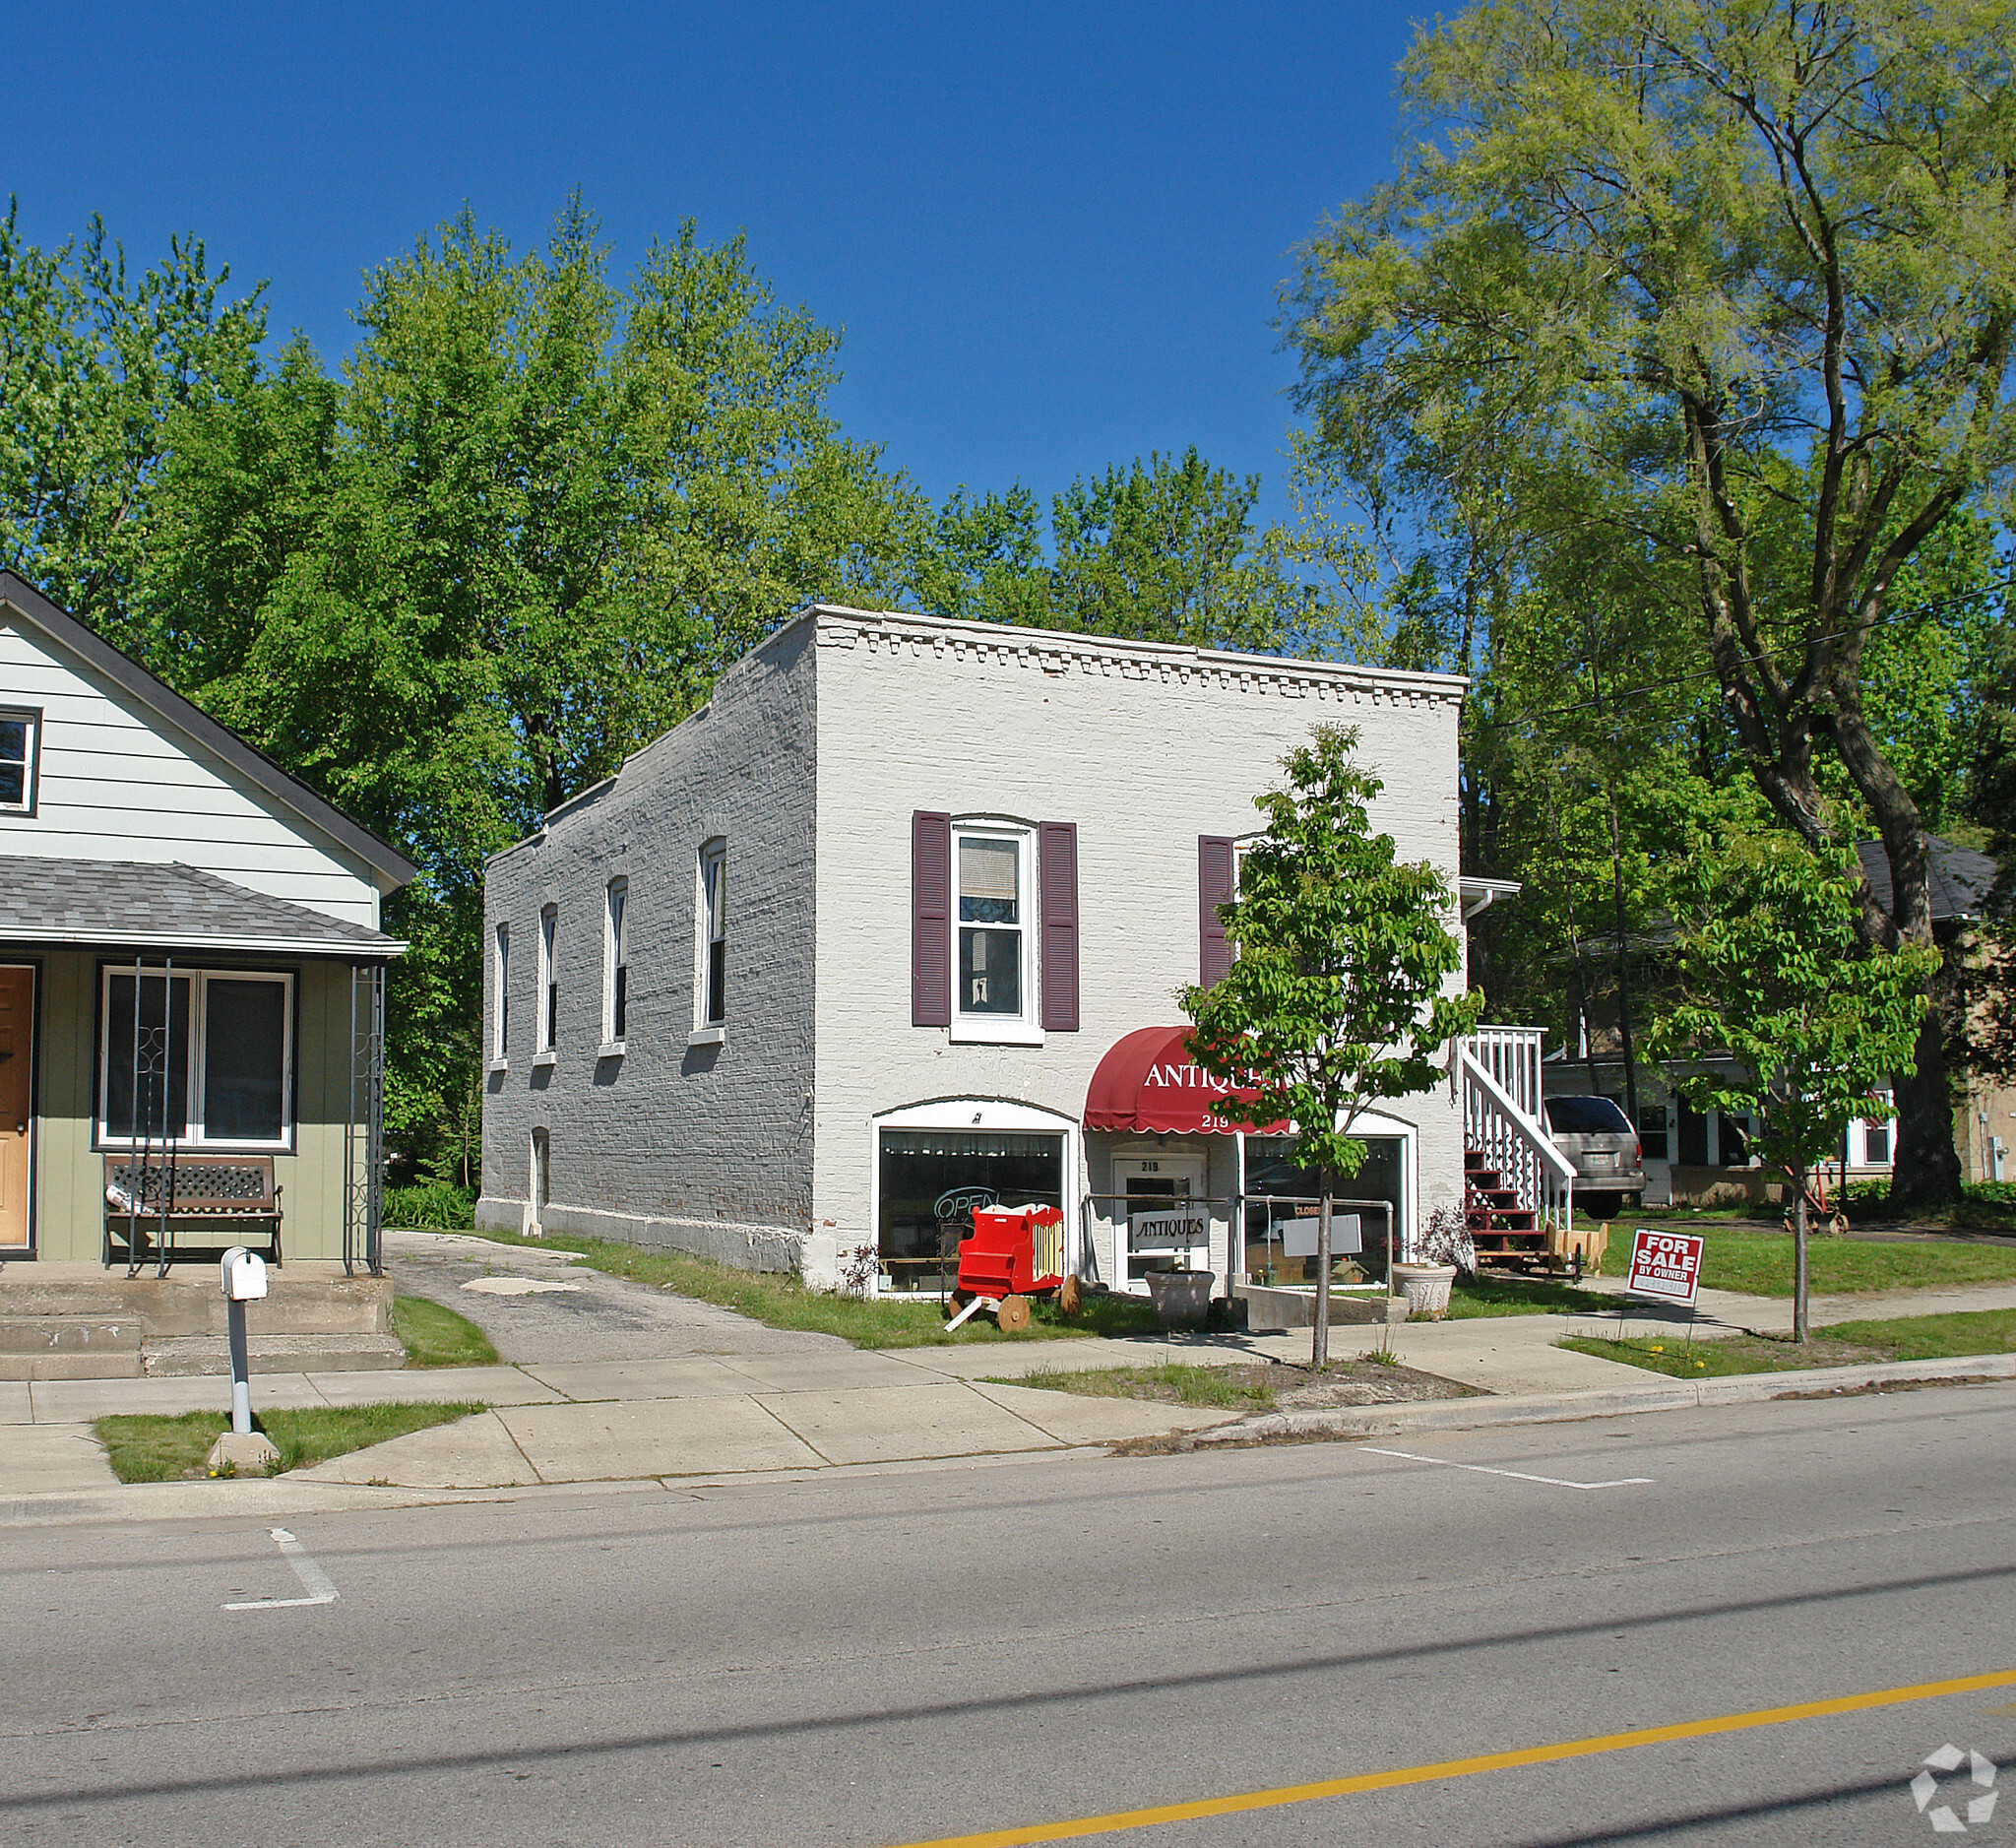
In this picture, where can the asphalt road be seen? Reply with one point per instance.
(914, 1656)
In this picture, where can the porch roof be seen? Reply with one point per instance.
(159, 906)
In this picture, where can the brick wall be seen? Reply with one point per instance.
(703, 1147)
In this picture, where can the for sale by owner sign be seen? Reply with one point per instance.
(1667, 1265)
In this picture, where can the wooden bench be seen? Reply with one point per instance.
(230, 1199)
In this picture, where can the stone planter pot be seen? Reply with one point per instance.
(1426, 1288)
(1181, 1298)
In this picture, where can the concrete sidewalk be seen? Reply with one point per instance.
(738, 1401)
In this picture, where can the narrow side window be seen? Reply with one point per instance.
(550, 981)
(500, 1049)
(20, 734)
(712, 997)
(615, 965)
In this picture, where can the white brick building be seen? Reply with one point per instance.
(845, 950)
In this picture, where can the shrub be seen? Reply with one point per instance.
(432, 1205)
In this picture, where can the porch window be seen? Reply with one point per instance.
(206, 1060)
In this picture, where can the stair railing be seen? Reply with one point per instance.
(1510, 1137)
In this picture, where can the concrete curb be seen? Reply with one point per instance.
(1543, 1408)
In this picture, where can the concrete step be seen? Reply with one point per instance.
(306, 1298)
(181, 1356)
(48, 1347)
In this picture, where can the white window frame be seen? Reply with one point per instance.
(710, 925)
(615, 919)
(30, 719)
(500, 1002)
(1024, 1028)
(194, 1054)
(546, 1037)
(980, 1114)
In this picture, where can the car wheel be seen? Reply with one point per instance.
(1601, 1205)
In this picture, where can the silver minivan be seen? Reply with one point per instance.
(1597, 1137)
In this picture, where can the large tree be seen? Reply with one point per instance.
(1729, 290)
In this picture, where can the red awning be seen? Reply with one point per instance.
(1148, 1081)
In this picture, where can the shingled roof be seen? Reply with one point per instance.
(129, 905)
(1959, 877)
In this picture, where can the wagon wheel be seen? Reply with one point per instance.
(1013, 1315)
(956, 1299)
(1839, 1226)
(1070, 1297)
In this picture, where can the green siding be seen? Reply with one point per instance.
(70, 1173)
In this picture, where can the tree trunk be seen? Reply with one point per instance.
(1926, 1167)
(1799, 1255)
(1319, 1348)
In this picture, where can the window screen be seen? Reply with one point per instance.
(244, 1060)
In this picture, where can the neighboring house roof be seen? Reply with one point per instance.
(220, 741)
(121, 903)
(1959, 876)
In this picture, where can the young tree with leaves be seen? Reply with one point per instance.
(1337, 996)
(1773, 971)
(1732, 290)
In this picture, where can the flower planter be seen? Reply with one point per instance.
(1426, 1288)
(1182, 1298)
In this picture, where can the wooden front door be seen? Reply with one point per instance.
(16, 1070)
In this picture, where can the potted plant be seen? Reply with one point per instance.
(1443, 1248)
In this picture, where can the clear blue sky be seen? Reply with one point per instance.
(1052, 234)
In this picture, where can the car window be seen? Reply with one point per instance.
(1586, 1116)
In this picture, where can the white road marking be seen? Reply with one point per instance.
(314, 1580)
(1519, 1475)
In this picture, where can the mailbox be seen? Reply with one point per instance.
(244, 1275)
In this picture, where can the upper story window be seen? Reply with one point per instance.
(550, 981)
(203, 1058)
(992, 874)
(500, 1028)
(615, 965)
(21, 736)
(710, 988)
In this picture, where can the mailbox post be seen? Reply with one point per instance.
(244, 1281)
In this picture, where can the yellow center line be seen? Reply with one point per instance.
(1285, 1794)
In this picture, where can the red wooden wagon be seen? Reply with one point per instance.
(1015, 1252)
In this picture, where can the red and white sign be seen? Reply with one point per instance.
(1667, 1265)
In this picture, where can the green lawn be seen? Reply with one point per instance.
(1839, 1344)
(435, 1336)
(1758, 1261)
(777, 1299)
(157, 1449)
(1518, 1296)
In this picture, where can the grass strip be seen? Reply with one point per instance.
(1172, 1382)
(1839, 1344)
(434, 1335)
(1474, 1296)
(152, 1449)
(777, 1299)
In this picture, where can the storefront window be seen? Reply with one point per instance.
(1280, 1214)
(931, 1180)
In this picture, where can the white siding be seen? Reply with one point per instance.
(116, 783)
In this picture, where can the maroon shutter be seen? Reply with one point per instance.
(930, 919)
(1213, 888)
(1057, 860)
